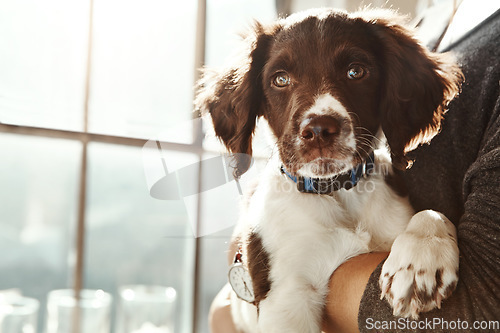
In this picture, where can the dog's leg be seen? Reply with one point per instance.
(244, 315)
(293, 306)
(422, 268)
(295, 303)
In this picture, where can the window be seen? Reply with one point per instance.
(73, 108)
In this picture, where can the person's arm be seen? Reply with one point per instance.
(470, 140)
(219, 317)
(346, 286)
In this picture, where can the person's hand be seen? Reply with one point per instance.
(219, 318)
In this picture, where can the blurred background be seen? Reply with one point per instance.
(83, 87)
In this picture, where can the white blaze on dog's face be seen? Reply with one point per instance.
(326, 139)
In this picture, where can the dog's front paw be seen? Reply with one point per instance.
(422, 268)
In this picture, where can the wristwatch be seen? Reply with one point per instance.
(240, 279)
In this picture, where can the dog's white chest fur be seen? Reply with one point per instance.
(281, 213)
(307, 236)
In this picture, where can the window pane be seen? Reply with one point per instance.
(132, 237)
(142, 74)
(38, 198)
(226, 19)
(43, 57)
(213, 272)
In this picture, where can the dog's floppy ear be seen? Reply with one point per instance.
(234, 96)
(417, 86)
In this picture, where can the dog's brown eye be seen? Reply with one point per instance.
(281, 80)
(356, 72)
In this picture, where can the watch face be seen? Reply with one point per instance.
(240, 280)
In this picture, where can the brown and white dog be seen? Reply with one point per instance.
(334, 87)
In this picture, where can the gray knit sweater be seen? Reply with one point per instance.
(458, 174)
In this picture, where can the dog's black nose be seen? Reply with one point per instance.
(324, 128)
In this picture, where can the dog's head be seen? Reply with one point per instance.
(328, 83)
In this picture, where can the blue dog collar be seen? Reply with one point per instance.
(329, 185)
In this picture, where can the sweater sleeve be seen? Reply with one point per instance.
(476, 301)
